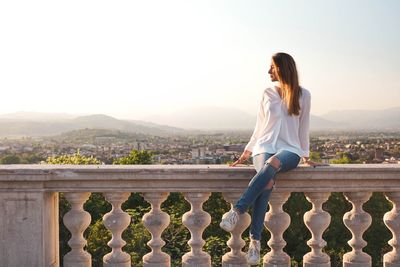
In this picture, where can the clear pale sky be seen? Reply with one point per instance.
(131, 59)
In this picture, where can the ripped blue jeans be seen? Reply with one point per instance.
(257, 193)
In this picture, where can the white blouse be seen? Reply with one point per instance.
(275, 130)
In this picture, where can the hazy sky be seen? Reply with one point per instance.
(131, 59)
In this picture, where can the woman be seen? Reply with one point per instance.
(280, 139)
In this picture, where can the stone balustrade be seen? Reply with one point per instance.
(29, 211)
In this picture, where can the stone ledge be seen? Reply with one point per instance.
(194, 178)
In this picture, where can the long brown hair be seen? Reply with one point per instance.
(289, 81)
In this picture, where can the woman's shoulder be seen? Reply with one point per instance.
(270, 93)
(305, 93)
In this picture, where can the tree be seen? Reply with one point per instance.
(344, 158)
(33, 159)
(135, 157)
(75, 159)
(315, 156)
(10, 159)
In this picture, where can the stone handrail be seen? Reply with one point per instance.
(29, 210)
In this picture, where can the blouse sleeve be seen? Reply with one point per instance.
(260, 119)
(304, 124)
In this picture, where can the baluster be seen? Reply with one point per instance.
(316, 220)
(236, 257)
(116, 221)
(196, 220)
(392, 221)
(156, 221)
(357, 221)
(77, 220)
(277, 221)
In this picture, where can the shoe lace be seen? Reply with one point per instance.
(233, 218)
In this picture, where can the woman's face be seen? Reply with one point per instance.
(273, 73)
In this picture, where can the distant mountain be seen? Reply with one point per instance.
(199, 118)
(29, 126)
(318, 123)
(384, 119)
(97, 135)
(207, 118)
(100, 121)
(213, 118)
(157, 126)
(36, 116)
(32, 128)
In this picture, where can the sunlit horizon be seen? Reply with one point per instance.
(135, 59)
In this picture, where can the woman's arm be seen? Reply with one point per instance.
(306, 160)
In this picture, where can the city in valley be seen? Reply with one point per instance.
(194, 147)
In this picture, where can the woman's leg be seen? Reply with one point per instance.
(261, 202)
(261, 186)
(258, 215)
(257, 184)
(230, 218)
(259, 161)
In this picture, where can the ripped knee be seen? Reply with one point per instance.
(274, 162)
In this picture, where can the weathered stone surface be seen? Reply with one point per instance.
(358, 221)
(29, 209)
(29, 229)
(196, 220)
(236, 257)
(211, 178)
(277, 221)
(76, 221)
(156, 221)
(316, 220)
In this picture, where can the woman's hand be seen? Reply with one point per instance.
(313, 163)
(245, 155)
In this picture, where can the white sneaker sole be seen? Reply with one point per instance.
(250, 262)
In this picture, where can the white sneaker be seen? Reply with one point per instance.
(253, 254)
(229, 220)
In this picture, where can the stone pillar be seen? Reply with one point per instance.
(196, 220)
(236, 257)
(77, 220)
(357, 220)
(392, 221)
(116, 221)
(29, 229)
(316, 220)
(277, 221)
(156, 221)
